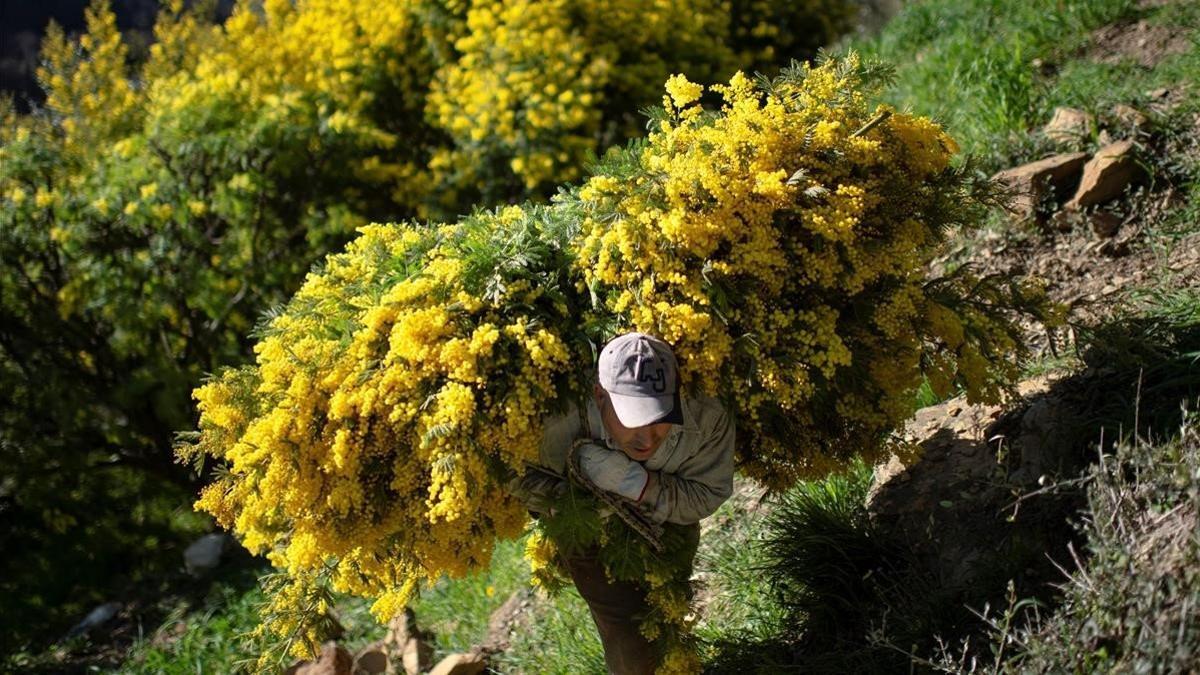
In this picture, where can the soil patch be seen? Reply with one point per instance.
(1141, 42)
(1091, 276)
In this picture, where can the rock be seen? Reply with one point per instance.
(99, 616)
(1106, 176)
(460, 664)
(1117, 247)
(417, 655)
(1030, 181)
(960, 462)
(1130, 116)
(204, 554)
(399, 628)
(1105, 224)
(883, 473)
(373, 660)
(406, 639)
(334, 660)
(1068, 124)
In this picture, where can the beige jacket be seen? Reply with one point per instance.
(694, 463)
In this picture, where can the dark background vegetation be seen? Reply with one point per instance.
(23, 23)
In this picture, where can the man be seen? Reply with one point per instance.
(668, 454)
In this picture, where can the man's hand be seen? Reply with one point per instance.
(612, 471)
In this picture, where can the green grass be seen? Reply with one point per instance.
(731, 560)
(199, 639)
(204, 638)
(992, 70)
(561, 640)
(457, 610)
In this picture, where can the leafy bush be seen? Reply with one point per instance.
(1134, 605)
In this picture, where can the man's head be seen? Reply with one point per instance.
(637, 391)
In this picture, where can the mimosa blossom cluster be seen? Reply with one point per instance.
(780, 243)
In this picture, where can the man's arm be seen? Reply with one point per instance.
(701, 484)
(543, 484)
(538, 489)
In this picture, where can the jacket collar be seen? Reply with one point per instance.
(689, 414)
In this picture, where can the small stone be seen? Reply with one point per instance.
(204, 554)
(1063, 221)
(1105, 224)
(373, 660)
(1113, 248)
(99, 616)
(334, 660)
(1030, 181)
(400, 628)
(417, 655)
(1068, 124)
(1130, 116)
(1106, 176)
(460, 664)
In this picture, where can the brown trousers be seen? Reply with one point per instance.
(618, 609)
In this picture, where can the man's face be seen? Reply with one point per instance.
(638, 443)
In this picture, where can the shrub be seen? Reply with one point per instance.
(1133, 605)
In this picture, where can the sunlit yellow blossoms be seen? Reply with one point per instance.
(780, 244)
(782, 248)
(386, 403)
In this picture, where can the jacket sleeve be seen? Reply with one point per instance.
(701, 484)
(538, 489)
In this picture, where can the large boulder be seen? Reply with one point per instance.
(955, 505)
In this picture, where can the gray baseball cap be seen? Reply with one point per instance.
(642, 380)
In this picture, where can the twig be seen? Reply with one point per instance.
(874, 122)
